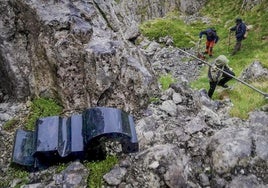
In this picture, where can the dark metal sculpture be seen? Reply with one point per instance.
(59, 139)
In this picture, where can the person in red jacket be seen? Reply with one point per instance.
(212, 39)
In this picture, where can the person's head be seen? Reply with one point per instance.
(238, 20)
(221, 61)
(210, 32)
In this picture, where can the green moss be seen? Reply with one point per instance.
(98, 169)
(42, 107)
(11, 124)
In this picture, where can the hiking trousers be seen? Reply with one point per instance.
(209, 47)
(237, 47)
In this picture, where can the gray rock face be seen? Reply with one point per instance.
(75, 175)
(115, 176)
(73, 51)
(192, 6)
(220, 151)
(255, 72)
(78, 52)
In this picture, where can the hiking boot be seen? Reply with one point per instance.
(233, 53)
(224, 86)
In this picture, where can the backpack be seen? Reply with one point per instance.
(214, 73)
(213, 30)
(246, 33)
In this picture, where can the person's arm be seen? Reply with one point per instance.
(216, 38)
(233, 28)
(202, 33)
(227, 68)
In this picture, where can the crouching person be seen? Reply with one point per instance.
(216, 76)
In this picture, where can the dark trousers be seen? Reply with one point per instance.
(224, 79)
(237, 47)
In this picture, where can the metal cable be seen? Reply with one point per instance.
(252, 87)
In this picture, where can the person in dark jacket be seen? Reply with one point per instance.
(212, 39)
(216, 76)
(240, 30)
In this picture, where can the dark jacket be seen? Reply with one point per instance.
(211, 35)
(240, 30)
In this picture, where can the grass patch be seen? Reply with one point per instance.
(248, 101)
(98, 169)
(42, 107)
(171, 26)
(166, 80)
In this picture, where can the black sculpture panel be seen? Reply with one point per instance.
(56, 138)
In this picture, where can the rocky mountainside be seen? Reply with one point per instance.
(83, 54)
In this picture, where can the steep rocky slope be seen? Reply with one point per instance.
(82, 53)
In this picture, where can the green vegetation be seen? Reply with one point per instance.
(222, 17)
(171, 26)
(11, 124)
(61, 167)
(98, 169)
(154, 100)
(15, 172)
(42, 107)
(166, 80)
